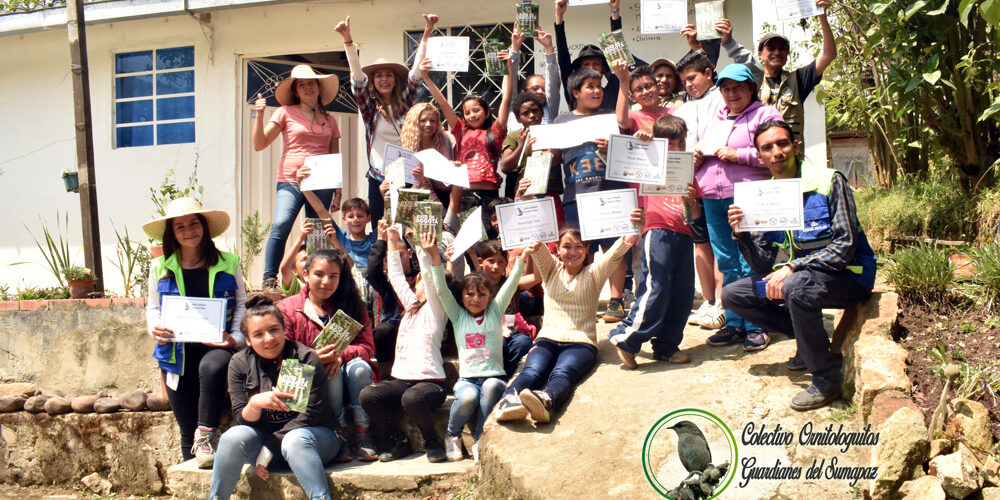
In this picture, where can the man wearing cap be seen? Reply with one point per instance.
(828, 264)
(788, 90)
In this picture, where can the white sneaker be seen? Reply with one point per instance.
(628, 298)
(714, 318)
(453, 448)
(695, 317)
(204, 448)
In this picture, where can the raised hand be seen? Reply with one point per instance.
(620, 70)
(430, 20)
(690, 33)
(260, 104)
(427, 241)
(544, 38)
(394, 239)
(344, 28)
(425, 67)
(561, 6)
(522, 186)
(726, 28)
(516, 39)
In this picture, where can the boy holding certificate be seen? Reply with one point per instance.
(641, 86)
(528, 108)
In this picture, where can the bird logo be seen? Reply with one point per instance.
(696, 457)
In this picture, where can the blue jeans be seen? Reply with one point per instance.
(353, 376)
(376, 202)
(514, 348)
(305, 449)
(731, 263)
(666, 293)
(286, 208)
(560, 365)
(470, 394)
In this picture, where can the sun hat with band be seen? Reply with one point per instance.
(328, 84)
(217, 220)
(381, 63)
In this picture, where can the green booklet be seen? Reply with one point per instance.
(536, 170)
(614, 47)
(317, 239)
(387, 208)
(339, 332)
(527, 19)
(296, 379)
(491, 51)
(408, 199)
(427, 217)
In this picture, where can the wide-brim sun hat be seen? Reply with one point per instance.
(400, 71)
(737, 73)
(217, 220)
(771, 36)
(329, 85)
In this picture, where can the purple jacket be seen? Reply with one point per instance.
(716, 177)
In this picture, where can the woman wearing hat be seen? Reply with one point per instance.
(385, 91)
(307, 130)
(194, 373)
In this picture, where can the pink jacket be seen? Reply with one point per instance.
(716, 177)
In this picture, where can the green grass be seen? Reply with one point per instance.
(844, 413)
(937, 208)
(921, 271)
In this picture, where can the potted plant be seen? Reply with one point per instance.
(71, 180)
(81, 281)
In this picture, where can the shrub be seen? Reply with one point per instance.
(936, 208)
(922, 272)
(77, 273)
(986, 276)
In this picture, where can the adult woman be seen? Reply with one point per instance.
(329, 287)
(194, 373)
(384, 92)
(717, 170)
(305, 440)
(422, 129)
(306, 130)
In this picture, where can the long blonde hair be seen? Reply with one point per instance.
(409, 136)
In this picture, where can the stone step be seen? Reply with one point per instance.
(410, 477)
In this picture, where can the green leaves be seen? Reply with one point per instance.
(932, 77)
(990, 10)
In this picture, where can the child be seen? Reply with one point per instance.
(417, 384)
(583, 171)
(566, 348)
(478, 324)
(666, 290)
(387, 305)
(479, 135)
(422, 130)
(643, 88)
(355, 216)
(293, 266)
(528, 109)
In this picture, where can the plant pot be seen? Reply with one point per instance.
(156, 251)
(72, 182)
(80, 289)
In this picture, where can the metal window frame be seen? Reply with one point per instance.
(154, 98)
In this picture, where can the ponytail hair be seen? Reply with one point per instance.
(261, 305)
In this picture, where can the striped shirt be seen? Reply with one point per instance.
(418, 343)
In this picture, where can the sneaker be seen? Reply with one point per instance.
(538, 403)
(510, 408)
(271, 285)
(204, 447)
(366, 448)
(815, 397)
(435, 452)
(453, 448)
(399, 450)
(795, 364)
(695, 317)
(628, 359)
(713, 318)
(615, 311)
(727, 335)
(756, 340)
(628, 298)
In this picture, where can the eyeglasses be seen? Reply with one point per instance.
(644, 88)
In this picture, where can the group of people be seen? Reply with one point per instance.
(532, 308)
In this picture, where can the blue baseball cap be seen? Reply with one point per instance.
(736, 73)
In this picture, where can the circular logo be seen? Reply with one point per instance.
(689, 449)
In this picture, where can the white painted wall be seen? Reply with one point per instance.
(36, 138)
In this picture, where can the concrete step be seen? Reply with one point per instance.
(411, 477)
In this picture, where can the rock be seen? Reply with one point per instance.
(991, 472)
(107, 405)
(36, 404)
(990, 493)
(83, 404)
(156, 402)
(18, 389)
(901, 449)
(97, 484)
(939, 447)
(886, 403)
(924, 488)
(879, 366)
(975, 421)
(10, 404)
(58, 406)
(134, 401)
(957, 473)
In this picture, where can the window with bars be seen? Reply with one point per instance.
(154, 97)
(455, 86)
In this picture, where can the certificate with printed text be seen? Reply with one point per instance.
(193, 319)
(448, 53)
(663, 16)
(705, 16)
(633, 160)
(325, 172)
(574, 3)
(774, 205)
(793, 10)
(410, 160)
(605, 214)
(524, 222)
(680, 173)
(573, 133)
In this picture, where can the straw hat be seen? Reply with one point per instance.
(328, 84)
(218, 221)
(402, 74)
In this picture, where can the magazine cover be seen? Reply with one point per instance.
(296, 379)
(339, 331)
(614, 47)
(491, 51)
(408, 199)
(427, 217)
(317, 239)
(527, 19)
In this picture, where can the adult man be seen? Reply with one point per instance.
(788, 91)
(829, 264)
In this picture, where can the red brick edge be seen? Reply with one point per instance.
(45, 305)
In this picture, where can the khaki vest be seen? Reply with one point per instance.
(788, 101)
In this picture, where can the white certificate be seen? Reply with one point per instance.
(536, 170)
(439, 168)
(716, 136)
(325, 172)
(395, 173)
(663, 16)
(193, 319)
(573, 133)
(606, 214)
(524, 222)
(634, 160)
(448, 53)
(470, 234)
(705, 16)
(574, 3)
(680, 173)
(793, 10)
(774, 205)
(410, 161)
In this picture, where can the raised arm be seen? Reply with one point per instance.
(350, 50)
(616, 14)
(829, 44)
(552, 82)
(509, 287)
(542, 259)
(562, 47)
(396, 276)
(262, 135)
(621, 109)
(430, 20)
(508, 84)
(288, 261)
(735, 51)
(440, 285)
(449, 112)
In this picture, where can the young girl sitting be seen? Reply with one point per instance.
(566, 348)
(478, 324)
